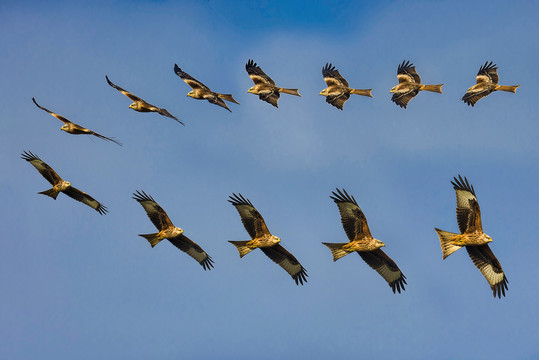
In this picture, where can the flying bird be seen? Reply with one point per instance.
(141, 105)
(202, 92)
(263, 239)
(264, 86)
(59, 185)
(472, 236)
(357, 230)
(409, 85)
(338, 90)
(73, 128)
(487, 82)
(168, 231)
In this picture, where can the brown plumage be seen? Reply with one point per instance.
(265, 87)
(168, 231)
(141, 105)
(487, 82)
(59, 185)
(202, 92)
(472, 236)
(338, 90)
(409, 85)
(357, 230)
(261, 238)
(75, 129)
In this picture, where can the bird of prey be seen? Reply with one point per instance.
(487, 82)
(409, 85)
(168, 231)
(472, 236)
(264, 86)
(141, 105)
(59, 185)
(338, 91)
(357, 230)
(73, 128)
(202, 92)
(263, 239)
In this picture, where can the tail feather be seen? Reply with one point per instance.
(433, 88)
(508, 88)
(337, 250)
(364, 92)
(51, 192)
(446, 242)
(152, 238)
(289, 91)
(242, 248)
(227, 97)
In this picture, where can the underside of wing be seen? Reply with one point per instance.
(256, 74)
(272, 98)
(125, 92)
(488, 73)
(192, 249)
(402, 99)
(473, 96)
(386, 267)
(338, 101)
(58, 116)
(45, 170)
(484, 259)
(332, 76)
(191, 81)
(250, 217)
(353, 220)
(86, 199)
(406, 73)
(157, 215)
(468, 212)
(287, 261)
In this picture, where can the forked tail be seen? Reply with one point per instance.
(337, 250)
(508, 88)
(152, 238)
(242, 248)
(364, 92)
(227, 97)
(446, 242)
(433, 88)
(51, 192)
(289, 91)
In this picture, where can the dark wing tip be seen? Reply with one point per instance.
(250, 64)
(499, 288)
(327, 68)
(29, 156)
(142, 196)
(406, 64)
(301, 276)
(487, 66)
(398, 285)
(108, 80)
(207, 263)
(102, 209)
(239, 200)
(462, 184)
(342, 196)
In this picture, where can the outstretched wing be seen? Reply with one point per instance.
(484, 259)
(386, 267)
(192, 249)
(472, 96)
(157, 215)
(402, 99)
(59, 117)
(256, 74)
(44, 169)
(332, 76)
(287, 261)
(406, 73)
(338, 101)
(468, 212)
(250, 217)
(86, 199)
(353, 220)
(272, 98)
(126, 93)
(488, 73)
(191, 81)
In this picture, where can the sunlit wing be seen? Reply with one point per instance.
(250, 217)
(402, 99)
(59, 117)
(406, 73)
(287, 261)
(353, 220)
(468, 212)
(386, 267)
(484, 259)
(157, 215)
(86, 199)
(126, 93)
(45, 170)
(332, 76)
(256, 74)
(192, 249)
(488, 73)
(191, 81)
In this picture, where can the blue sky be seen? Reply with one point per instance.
(79, 285)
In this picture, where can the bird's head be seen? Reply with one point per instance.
(393, 89)
(489, 239)
(190, 93)
(276, 239)
(64, 127)
(251, 90)
(324, 92)
(379, 243)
